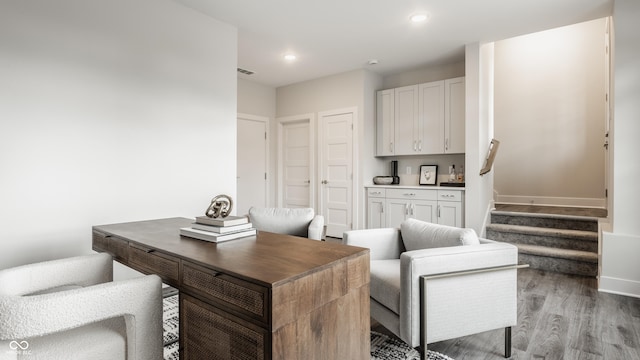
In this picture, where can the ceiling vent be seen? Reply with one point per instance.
(244, 71)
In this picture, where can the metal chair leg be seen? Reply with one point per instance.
(507, 342)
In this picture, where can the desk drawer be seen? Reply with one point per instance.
(154, 262)
(244, 297)
(112, 245)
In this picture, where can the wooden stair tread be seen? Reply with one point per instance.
(545, 215)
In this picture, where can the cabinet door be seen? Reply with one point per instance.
(454, 115)
(424, 210)
(406, 120)
(450, 213)
(396, 211)
(385, 123)
(375, 213)
(431, 117)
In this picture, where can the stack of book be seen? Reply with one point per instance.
(219, 229)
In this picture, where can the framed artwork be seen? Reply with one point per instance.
(428, 174)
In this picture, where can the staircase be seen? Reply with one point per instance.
(553, 242)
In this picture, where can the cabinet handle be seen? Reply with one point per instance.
(382, 208)
(149, 251)
(375, 193)
(391, 146)
(419, 145)
(409, 194)
(412, 208)
(446, 144)
(415, 146)
(406, 209)
(438, 210)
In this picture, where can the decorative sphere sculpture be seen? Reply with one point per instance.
(220, 206)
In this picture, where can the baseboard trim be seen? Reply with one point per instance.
(619, 286)
(552, 201)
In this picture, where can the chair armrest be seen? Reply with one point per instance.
(316, 228)
(139, 300)
(384, 244)
(445, 260)
(459, 258)
(79, 271)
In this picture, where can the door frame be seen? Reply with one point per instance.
(281, 122)
(265, 120)
(355, 154)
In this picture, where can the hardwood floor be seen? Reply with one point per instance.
(559, 317)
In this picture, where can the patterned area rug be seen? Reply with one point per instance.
(383, 347)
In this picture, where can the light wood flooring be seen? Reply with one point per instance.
(559, 317)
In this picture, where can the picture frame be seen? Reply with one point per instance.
(428, 175)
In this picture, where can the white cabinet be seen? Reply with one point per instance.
(406, 120)
(390, 206)
(454, 116)
(385, 125)
(420, 119)
(407, 203)
(431, 115)
(449, 208)
(375, 208)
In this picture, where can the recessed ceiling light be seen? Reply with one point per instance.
(290, 57)
(419, 17)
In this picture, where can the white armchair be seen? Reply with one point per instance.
(71, 309)
(432, 282)
(299, 221)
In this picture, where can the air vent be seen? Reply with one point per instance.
(246, 72)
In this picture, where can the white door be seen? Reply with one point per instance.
(252, 163)
(336, 170)
(406, 120)
(375, 213)
(295, 166)
(450, 213)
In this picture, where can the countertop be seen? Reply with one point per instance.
(425, 187)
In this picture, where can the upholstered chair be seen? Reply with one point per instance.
(291, 221)
(71, 309)
(433, 282)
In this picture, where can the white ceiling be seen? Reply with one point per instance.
(334, 36)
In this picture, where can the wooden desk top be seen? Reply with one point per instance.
(267, 258)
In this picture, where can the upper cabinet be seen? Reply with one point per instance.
(454, 116)
(421, 119)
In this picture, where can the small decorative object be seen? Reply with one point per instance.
(221, 206)
(491, 155)
(428, 174)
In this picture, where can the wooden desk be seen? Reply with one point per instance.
(268, 296)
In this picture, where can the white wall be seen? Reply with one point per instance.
(550, 116)
(111, 111)
(621, 246)
(424, 75)
(479, 132)
(351, 89)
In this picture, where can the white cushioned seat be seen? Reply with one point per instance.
(385, 283)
